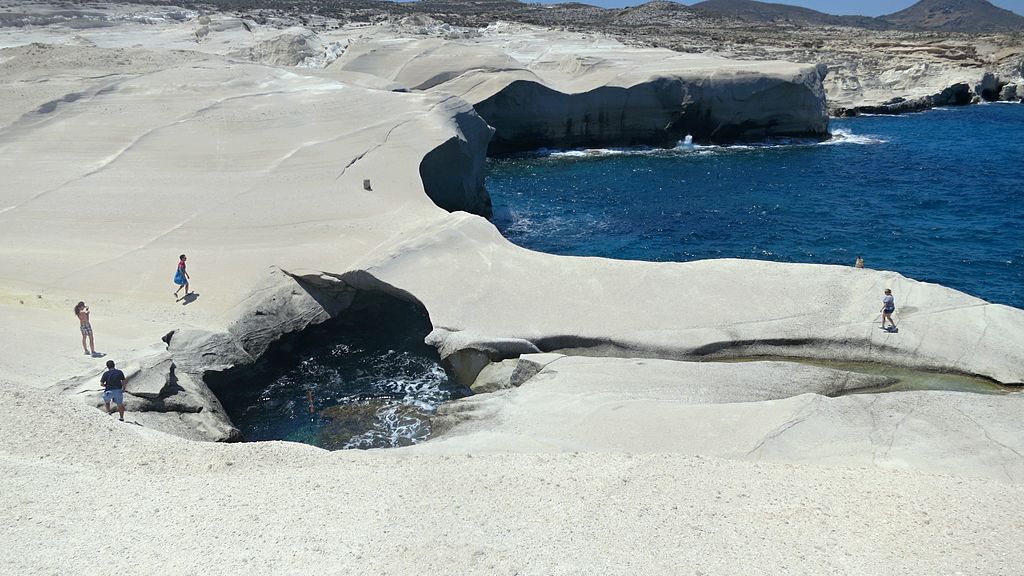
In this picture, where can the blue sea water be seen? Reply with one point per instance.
(937, 196)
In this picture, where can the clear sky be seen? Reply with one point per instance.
(864, 7)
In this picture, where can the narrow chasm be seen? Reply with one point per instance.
(364, 379)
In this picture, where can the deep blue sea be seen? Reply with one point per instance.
(937, 196)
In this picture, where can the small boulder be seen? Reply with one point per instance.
(494, 376)
(464, 353)
(151, 381)
(1011, 93)
(529, 365)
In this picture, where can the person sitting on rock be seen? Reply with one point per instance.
(859, 263)
(113, 381)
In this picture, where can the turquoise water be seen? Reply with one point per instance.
(937, 196)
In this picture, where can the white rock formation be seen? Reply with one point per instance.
(164, 398)
(288, 48)
(747, 411)
(116, 159)
(539, 93)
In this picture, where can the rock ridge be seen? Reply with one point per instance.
(584, 95)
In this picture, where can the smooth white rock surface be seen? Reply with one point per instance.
(114, 159)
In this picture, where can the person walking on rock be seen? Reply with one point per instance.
(181, 277)
(82, 312)
(888, 306)
(113, 381)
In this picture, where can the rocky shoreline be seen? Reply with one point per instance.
(307, 174)
(584, 92)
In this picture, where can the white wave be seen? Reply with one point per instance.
(594, 152)
(844, 136)
(395, 426)
(687, 147)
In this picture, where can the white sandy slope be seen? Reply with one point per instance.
(139, 502)
(251, 169)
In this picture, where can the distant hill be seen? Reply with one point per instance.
(957, 16)
(655, 12)
(469, 5)
(766, 12)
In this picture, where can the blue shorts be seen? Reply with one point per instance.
(115, 394)
(889, 310)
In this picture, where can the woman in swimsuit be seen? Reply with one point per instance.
(82, 312)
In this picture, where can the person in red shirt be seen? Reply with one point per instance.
(181, 277)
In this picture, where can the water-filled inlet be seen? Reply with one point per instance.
(363, 380)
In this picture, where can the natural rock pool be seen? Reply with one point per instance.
(365, 380)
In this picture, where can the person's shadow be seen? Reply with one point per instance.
(189, 298)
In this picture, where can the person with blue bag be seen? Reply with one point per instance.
(181, 277)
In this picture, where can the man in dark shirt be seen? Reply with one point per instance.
(113, 388)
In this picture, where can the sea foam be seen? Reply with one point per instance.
(684, 147)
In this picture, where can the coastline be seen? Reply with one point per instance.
(259, 172)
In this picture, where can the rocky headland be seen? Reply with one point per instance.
(313, 163)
